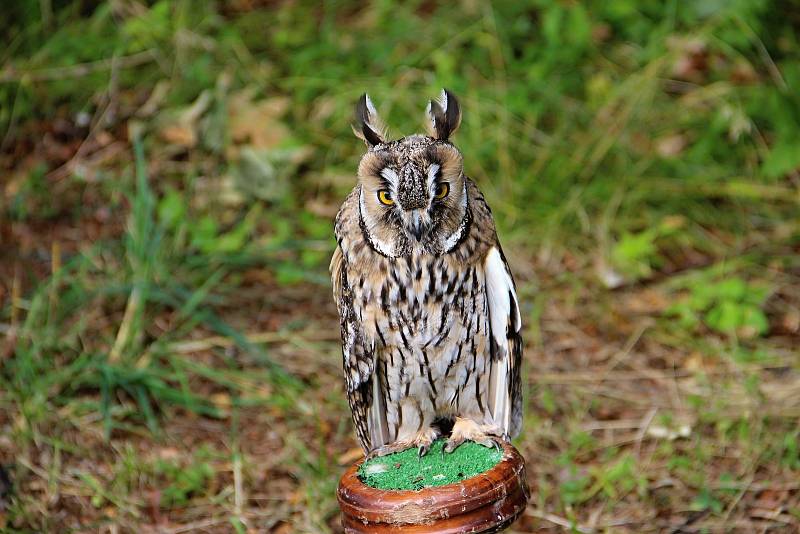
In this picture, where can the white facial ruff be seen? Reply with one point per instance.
(453, 239)
(432, 170)
(381, 246)
(391, 177)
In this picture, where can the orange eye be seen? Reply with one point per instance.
(442, 188)
(385, 197)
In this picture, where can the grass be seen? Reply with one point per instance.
(170, 171)
(407, 470)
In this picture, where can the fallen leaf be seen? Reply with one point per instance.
(257, 122)
(221, 400)
(179, 134)
(671, 146)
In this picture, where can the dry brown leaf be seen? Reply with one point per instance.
(221, 400)
(180, 128)
(694, 362)
(256, 122)
(671, 146)
(179, 134)
(791, 321)
(283, 528)
(168, 453)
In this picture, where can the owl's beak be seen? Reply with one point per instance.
(416, 231)
(416, 227)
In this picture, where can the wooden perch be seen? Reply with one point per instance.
(487, 502)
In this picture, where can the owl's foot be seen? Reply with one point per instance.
(469, 430)
(422, 440)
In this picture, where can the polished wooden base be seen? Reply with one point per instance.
(488, 502)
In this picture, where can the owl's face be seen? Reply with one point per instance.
(413, 191)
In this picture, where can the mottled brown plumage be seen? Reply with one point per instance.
(429, 315)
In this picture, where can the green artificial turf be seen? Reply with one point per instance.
(406, 470)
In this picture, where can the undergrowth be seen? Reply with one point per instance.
(170, 172)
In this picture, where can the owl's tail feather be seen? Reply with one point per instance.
(378, 425)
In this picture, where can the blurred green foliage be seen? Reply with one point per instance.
(623, 145)
(623, 112)
(535, 72)
(727, 306)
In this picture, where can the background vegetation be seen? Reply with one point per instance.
(169, 359)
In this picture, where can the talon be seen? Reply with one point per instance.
(377, 453)
(452, 445)
(487, 442)
(385, 450)
(423, 450)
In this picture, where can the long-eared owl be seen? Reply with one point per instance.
(429, 314)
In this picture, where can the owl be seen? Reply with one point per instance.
(429, 315)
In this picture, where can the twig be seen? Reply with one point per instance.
(79, 70)
(125, 327)
(626, 376)
(12, 121)
(614, 424)
(738, 498)
(96, 158)
(622, 355)
(774, 516)
(238, 487)
(196, 526)
(183, 347)
(557, 520)
(99, 119)
(643, 426)
(773, 69)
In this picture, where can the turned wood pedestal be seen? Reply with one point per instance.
(487, 502)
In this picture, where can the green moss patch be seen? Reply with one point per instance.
(406, 470)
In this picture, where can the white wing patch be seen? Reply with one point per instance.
(504, 319)
(364, 391)
(336, 266)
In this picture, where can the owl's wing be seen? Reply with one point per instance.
(505, 386)
(364, 389)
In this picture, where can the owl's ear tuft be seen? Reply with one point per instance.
(368, 126)
(444, 115)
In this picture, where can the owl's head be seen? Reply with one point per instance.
(413, 191)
